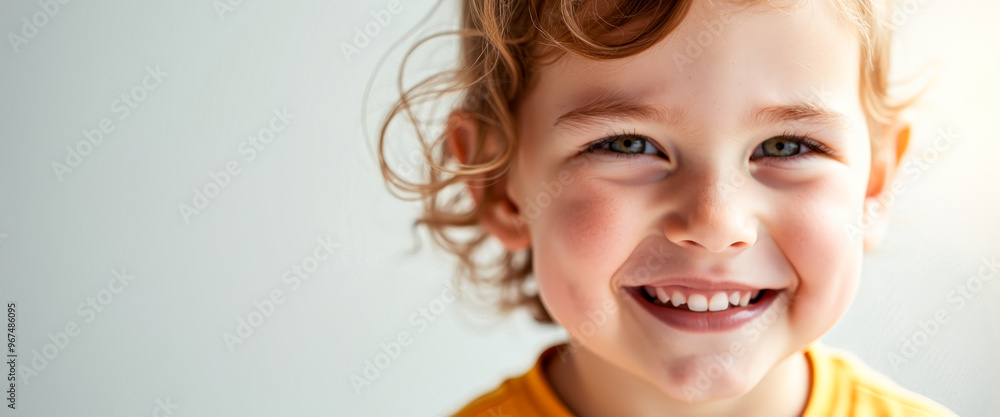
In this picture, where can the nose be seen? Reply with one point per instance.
(711, 214)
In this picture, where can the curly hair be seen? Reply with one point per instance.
(502, 42)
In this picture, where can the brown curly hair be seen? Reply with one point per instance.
(502, 43)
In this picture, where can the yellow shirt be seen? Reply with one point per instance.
(842, 386)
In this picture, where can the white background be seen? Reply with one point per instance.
(162, 337)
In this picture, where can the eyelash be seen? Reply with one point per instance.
(812, 145)
(599, 145)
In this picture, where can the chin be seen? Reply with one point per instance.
(704, 380)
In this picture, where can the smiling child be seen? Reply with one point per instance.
(679, 181)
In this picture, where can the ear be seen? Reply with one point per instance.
(498, 211)
(885, 165)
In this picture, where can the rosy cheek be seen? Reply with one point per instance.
(813, 235)
(579, 241)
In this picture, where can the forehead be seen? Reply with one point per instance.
(720, 59)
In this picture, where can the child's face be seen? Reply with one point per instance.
(714, 201)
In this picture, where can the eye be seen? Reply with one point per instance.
(628, 144)
(780, 146)
(788, 146)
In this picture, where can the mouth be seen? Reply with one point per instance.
(693, 310)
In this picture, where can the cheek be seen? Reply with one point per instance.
(814, 230)
(579, 240)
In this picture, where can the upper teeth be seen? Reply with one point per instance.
(702, 301)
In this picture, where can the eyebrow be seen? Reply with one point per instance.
(611, 108)
(801, 110)
(615, 108)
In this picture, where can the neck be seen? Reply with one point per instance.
(592, 387)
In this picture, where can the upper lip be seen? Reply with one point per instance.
(701, 283)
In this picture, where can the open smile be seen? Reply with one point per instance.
(694, 310)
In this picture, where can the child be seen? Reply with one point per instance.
(688, 186)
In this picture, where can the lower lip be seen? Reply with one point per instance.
(706, 321)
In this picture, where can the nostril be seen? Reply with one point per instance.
(715, 234)
(735, 246)
(691, 244)
(740, 245)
